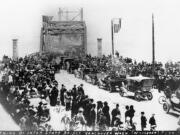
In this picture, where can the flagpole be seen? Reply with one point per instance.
(153, 45)
(112, 32)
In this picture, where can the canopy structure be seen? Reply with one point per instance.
(139, 78)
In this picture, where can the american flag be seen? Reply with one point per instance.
(117, 26)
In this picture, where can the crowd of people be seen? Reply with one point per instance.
(32, 77)
(22, 81)
(96, 115)
(164, 77)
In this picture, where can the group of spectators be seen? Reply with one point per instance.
(34, 76)
(168, 76)
(97, 116)
(22, 81)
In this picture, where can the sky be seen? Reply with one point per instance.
(22, 19)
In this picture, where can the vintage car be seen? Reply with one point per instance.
(172, 103)
(90, 75)
(109, 82)
(139, 87)
(79, 71)
(70, 64)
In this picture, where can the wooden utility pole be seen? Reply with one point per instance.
(153, 45)
(112, 32)
(81, 12)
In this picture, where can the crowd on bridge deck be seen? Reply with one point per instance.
(34, 76)
(25, 79)
(167, 76)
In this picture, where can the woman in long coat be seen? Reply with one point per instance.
(53, 96)
(105, 110)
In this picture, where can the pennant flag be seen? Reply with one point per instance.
(117, 26)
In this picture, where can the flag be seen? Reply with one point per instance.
(117, 26)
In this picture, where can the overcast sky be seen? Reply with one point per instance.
(22, 19)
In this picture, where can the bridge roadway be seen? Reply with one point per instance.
(164, 121)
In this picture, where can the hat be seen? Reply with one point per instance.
(105, 103)
(40, 103)
(101, 113)
(80, 109)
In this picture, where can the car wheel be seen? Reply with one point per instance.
(166, 107)
(162, 100)
(41, 128)
(45, 119)
(137, 96)
(149, 96)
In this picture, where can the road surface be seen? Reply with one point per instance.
(6, 121)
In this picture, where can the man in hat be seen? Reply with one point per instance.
(39, 111)
(74, 92)
(68, 98)
(152, 122)
(92, 117)
(131, 114)
(143, 121)
(62, 91)
(114, 113)
(80, 89)
(105, 110)
(99, 109)
(53, 96)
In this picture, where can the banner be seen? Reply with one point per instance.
(117, 26)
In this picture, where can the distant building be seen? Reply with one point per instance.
(65, 36)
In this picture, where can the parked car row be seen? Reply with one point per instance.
(138, 87)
